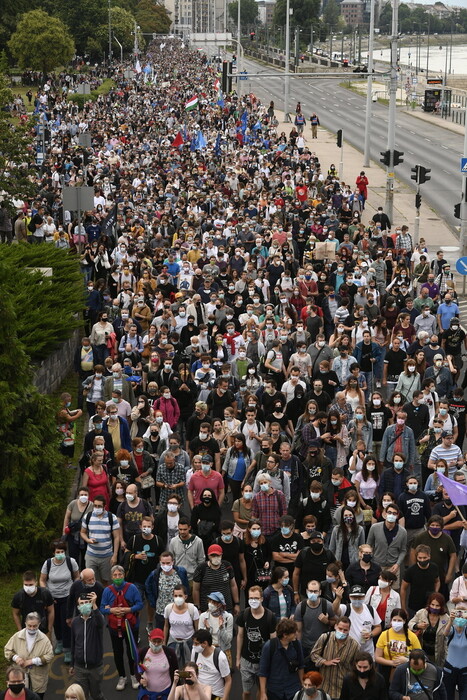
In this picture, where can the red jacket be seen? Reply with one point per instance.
(170, 410)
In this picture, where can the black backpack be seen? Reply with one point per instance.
(323, 607)
(215, 658)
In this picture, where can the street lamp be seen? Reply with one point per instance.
(369, 88)
(240, 51)
(287, 63)
(121, 48)
(110, 35)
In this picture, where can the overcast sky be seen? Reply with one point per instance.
(458, 3)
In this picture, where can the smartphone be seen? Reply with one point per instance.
(184, 674)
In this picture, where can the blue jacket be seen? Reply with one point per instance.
(152, 583)
(132, 597)
(402, 678)
(271, 601)
(125, 438)
(388, 443)
(376, 351)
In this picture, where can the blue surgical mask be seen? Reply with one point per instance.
(285, 581)
(255, 533)
(85, 608)
(341, 635)
(285, 531)
(313, 597)
(227, 538)
(460, 621)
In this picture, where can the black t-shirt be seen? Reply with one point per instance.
(291, 545)
(418, 418)
(204, 447)
(255, 633)
(127, 474)
(231, 553)
(365, 363)
(217, 404)
(141, 569)
(379, 418)
(453, 341)
(422, 583)
(38, 603)
(395, 362)
(312, 566)
(458, 408)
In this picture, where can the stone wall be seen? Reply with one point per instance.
(52, 371)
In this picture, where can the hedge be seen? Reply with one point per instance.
(104, 88)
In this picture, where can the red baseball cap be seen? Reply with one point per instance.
(215, 549)
(156, 634)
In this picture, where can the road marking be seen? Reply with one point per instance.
(445, 148)
(411, 153)
(412, 132)
(427, 139)
(446, 171)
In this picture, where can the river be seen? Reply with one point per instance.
(439, 60)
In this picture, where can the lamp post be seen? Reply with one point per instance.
(287, 63)
(240, 54)
(110, 35)
(428, 47)
(121, 48)
(392, 112)
(369, 87)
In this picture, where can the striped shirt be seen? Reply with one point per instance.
(99, 529)
(450, 454)
(333, 676)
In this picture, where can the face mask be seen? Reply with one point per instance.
(313, 597)
(443, 411)
(411, 368)
(391, 518)
(397, 625)
(400, 421)
(370, 467)
(460, 621)
(255, 533)
(216, 561)
(60, 557)
(285, 581)
(179, 600)
(98, 511)
(397, 400)
(264, 487)
(254, 603)
(367, 557)
(335, 482)
(198, 649)
(434, 530)
(16, 688)
(212, 607)
(398, 465)
(341, 635)
(203, 436)
(205, 468)
(98, 426)
(376, 402)
(172, 507)
(156, 648)
(227, 538)
(166, 567)
(357, 603)
(316, 547)
(412, 487)
(130, 497)
(285, 531)
(85, 608)
(348, 519)
(30, 589)
(363, 674)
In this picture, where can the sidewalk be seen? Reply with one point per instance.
(432, 227)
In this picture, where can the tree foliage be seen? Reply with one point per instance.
(331, 14)
(305, 13)
(15, 151)
(248, 12)
(152, 17)
(33, 483)
(41, 42)
(417, 20)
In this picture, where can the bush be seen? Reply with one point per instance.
(104, 88)
(36, 314)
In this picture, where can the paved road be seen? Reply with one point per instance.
(339, 108)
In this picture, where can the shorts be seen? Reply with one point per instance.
(100, 566)
(248, 673)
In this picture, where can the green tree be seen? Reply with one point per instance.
(305, 13)
(248, 12)
(331, 13)
(152, 17)
(15, 152)
(123, 25)
(33, 483)
(41, 42)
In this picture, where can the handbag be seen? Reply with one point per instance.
(147, 482)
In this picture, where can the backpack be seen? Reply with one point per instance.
(262, 368)
(88, 518)
(32, 226)
(115, 621)
(303, 607)
(215, 659)
(274, 645)
(349, 608)
(48, 564)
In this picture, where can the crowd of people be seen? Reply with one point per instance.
(273, 400)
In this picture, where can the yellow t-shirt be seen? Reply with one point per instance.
(395, 643)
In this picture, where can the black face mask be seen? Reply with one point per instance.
(188, 681)
(363, 674)
(316, 547)
(16, 688)
(206, 499)
(367, 558)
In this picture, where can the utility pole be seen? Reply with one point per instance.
(110, 35)
(369, 87)
(287, 63)
(463, 236)
(297, 47)
(240, 54)
(392, 112)
(311, 42)
(136, 50)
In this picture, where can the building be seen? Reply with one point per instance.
(266, 12)
(352, 12)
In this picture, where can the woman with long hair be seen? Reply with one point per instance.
(395, 643)
(364, 682)
(429, 624)
(336, 439)
(410, 380)
(346, 538)
(206, 518)
(258, 555)
(366, 482)
(278, 596)
(236, 462)
(360, 428)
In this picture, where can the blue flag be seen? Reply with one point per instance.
(220, 103)
(217, 146)
(244, 120)
(200, 142)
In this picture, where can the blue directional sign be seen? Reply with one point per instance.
(244, 76)
(463, 165)
(461, 266)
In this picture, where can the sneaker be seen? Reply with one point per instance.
(67, 657)
(134, 683)
(121, 683)
(58, 648)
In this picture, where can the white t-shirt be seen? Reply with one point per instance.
(360, 622)
(181, 626)
(208, 673)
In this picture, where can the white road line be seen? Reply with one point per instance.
(445, 148)
(446, 171)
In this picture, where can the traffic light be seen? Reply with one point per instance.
(398, 157)
(386, 159)
(424, 177)
(418, 200)
(457, 210)
(339, 138)
(415, 172)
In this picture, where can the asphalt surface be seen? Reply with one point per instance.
(338, 108)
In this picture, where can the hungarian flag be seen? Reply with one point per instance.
(191, 104)
(178, 141)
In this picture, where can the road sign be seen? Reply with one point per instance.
(461, 266)
(463, 165)
(244, 75)
(414, 81)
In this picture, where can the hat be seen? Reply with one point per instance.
(438, 356)
(215, 549)
(357, 590)
(446, 433)
(216, 596)
(206, 459)
(97, 419)
(316, 535)
(156, 634)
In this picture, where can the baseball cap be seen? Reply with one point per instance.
(156, 634)
(316, 535)
(216, 596)
(357, 590)
(438, 356)
(215, 549)
(446, 433)
(206, 459)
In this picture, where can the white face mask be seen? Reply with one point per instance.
(254, 603)
(382, 584)
(212, 607)
(397, 625)
(179, 600)
(130, 497)
(146, 530)
(84, 499)
(99, 448)
(30, 589)
(172, 507)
